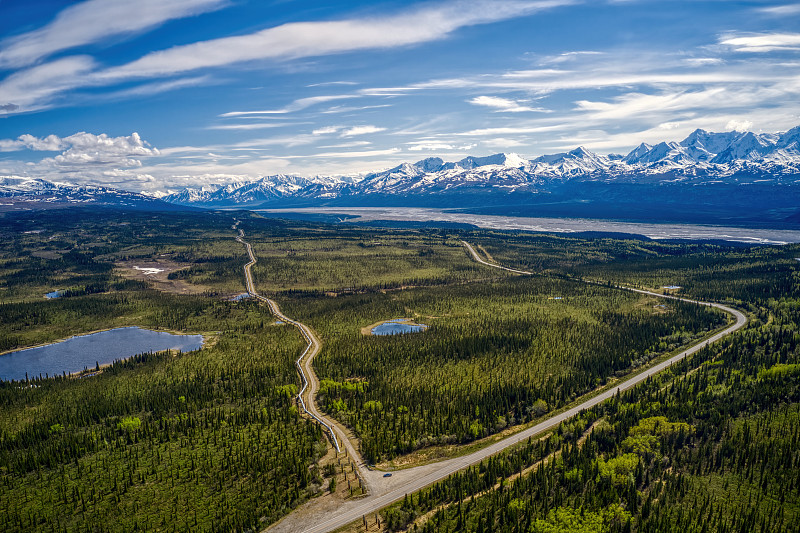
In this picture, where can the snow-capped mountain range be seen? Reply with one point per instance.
(719, 178)
(18, 190)
(701, 158)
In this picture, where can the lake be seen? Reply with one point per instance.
(397, 326)
(85, 351)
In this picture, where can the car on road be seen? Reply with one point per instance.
(387, 474)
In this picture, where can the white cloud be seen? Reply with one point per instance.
(326, 130)
(34, 88)
(148, 89)
(248, 127)
(327, 83)
(351, 109)
(297, 105)
(94, 20)
(568, 56)
(430, 147)
(51, 143)
(762, 42)
(508, 130)
(366, 153)
(351, 144)
(636, 104)
(88, 158)
(738, 125)
(300, 139)
(502, 143)
(90, 149)
(781, 11)
(703, 61)
(502, 104)
(361, 130)
(308, 39)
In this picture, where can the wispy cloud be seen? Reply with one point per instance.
(502, 143)
(703, 61)
(326, 130)
(249, 127)
(762, 42)
(328, 83)
(93, 21)
(148, 89)
(568, 56)
(503, 104)
(308, 39)
(297, 105)
(636, 104)
(780, 11)
(35, 87)
(352, 109)
(361, 130)
(350, 155)
(426, 146)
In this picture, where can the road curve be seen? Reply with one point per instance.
(413, 479)
(303, 363)
(741, 320)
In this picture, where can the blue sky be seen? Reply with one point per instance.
(156, 96)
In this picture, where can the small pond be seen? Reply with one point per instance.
(85, 351)
(54, 294)
(397, 326)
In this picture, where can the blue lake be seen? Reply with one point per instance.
(85, 351)
(54, 294)
(397, 326)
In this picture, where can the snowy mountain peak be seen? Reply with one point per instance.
(430, 164)
(637, 153)
(703, 155)
(790, 140)
(510, 160)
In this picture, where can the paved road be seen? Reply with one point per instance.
(741, 320)
(411, 480)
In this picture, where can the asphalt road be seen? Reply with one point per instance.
(385, 491)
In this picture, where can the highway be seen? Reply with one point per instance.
(384, 491)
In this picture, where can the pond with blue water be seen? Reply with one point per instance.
(86, 351)
(397, 326)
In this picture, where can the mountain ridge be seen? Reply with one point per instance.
(26, 193)
(702, 157)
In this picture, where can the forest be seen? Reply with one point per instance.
(710, 445)
(496, 355)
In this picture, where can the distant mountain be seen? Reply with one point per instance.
(730, 158)
(22, 193)
(730, 178)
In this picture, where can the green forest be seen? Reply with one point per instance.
(709, 445)
(496, 355)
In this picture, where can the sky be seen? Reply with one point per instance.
(156, 96)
